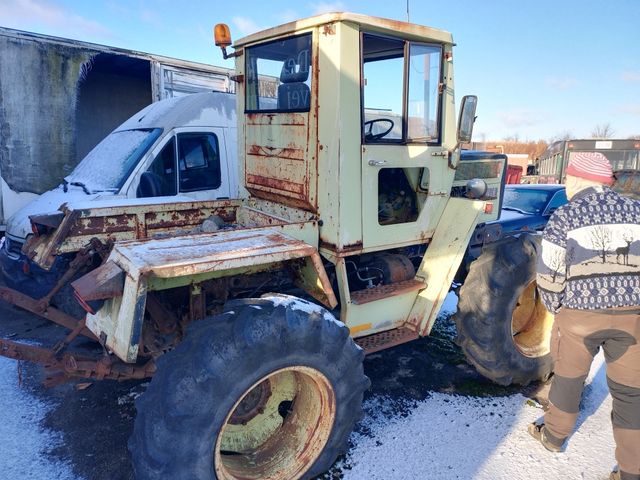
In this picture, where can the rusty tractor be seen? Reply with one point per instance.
(355, 212)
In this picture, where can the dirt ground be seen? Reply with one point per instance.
(95, 422)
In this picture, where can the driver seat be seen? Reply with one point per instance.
(293, 94)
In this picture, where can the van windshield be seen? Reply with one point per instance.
(109, 164)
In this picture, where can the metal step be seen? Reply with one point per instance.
(384, 291)
(390, 338)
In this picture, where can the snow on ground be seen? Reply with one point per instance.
(443, 437)
(24, 443)
(449, 437)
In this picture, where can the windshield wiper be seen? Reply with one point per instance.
(82, 185)
(513, 209)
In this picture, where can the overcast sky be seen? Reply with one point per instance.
(541, 69)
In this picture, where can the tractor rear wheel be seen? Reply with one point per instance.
(269, 389)
(503, 327)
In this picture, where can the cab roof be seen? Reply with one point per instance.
(410, 31)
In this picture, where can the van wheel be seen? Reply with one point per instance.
(503, 327)
(269, 389)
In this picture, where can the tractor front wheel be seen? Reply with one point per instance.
(269, 389)
(503, 327)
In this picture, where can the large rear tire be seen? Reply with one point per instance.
(269, 389)
(503, 327)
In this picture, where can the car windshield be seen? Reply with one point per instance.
(526, 200)
(109, 164)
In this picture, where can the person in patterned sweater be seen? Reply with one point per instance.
(589, 276)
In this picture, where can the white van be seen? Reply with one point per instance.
(180, 148)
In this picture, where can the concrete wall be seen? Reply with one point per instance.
(38, 85)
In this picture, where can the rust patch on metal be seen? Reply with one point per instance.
(276, 197)
(62, 368)
(35, 306)
(344, 251)
(383, 340)
(289, 119)
(289, 152)
(277, 184)
(106, 281)
(41, 224)
(329, 29)
(384, 291)
(164, 319)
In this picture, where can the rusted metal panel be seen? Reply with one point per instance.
(106, 281)
(387, 339)
(119, 322)
(383, 291)
(122, 220)
(41, 309)
(61, 368)
(194, 254)
(312, 277)
(50, 221)
(278, 158)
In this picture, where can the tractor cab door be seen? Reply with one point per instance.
(401, 127)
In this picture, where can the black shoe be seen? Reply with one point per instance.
(540, 433)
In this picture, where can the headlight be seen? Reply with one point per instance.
(476, 188)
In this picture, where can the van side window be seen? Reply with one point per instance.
(199, 161)
(160, 177)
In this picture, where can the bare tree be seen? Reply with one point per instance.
(566, 135)
(601, 240)
(570, 256)
(556, 264)
(604, 130)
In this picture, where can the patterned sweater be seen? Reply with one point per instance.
(591, 253)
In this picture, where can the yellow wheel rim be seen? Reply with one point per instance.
(531, 324)
(278, 428)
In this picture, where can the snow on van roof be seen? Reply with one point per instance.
(207, 109)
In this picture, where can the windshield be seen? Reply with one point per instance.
(525, 200)
(107, 166)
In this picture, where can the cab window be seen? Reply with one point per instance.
(279, 76)
(401, 84)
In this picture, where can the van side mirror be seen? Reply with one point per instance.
(467, 118)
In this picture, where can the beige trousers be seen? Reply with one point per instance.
(578, 336)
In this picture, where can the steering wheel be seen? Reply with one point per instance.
(369, 136)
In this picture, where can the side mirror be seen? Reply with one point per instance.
(467, 118)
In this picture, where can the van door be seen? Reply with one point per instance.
(189, 163)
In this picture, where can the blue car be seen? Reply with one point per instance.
(525, 208)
